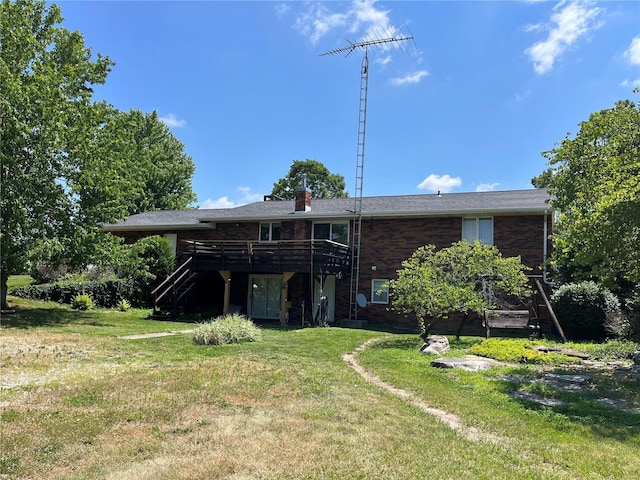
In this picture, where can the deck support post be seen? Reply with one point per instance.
(226, 276)
(286, 276)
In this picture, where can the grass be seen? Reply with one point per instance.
(80, 402)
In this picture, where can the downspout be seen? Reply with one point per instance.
(544, 249)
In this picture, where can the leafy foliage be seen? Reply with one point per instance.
(147, 262)
(45, 101)
(462, 278)
(106, 293)
(134, 164)
(595, 178)
(124, 305)
(91, 163)
(82, 301)
(584, 308)
(226, 330)
(518, 351)
(315, 176)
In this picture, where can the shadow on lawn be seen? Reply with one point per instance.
(48, 317)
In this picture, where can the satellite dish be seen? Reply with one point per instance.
(361, 300)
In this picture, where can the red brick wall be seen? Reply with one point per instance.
(385, 243)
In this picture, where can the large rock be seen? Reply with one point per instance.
(435, 345)
(470, 363)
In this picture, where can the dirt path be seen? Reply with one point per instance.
(451, 420)
(155, 335)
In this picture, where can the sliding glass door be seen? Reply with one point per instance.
(264, 296)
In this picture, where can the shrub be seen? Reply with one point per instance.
(584, 309)
(609, 350)
(124, 305)
(46, 271)
(227, 329)
(148, 261)
(105, 294)
(82, 301)
(516, 350)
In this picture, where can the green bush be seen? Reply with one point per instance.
(105, 294)
(146, 263)
(630, 326)
(225, 330)
(584, 309)
(82, 301)
(124, 305)
(517, 351)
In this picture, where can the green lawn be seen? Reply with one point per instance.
(79, 402)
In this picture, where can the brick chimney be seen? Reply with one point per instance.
(303, 199)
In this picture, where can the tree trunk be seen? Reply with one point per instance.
(3, 291)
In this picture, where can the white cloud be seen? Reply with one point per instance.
(247, 196)
(486, 187)
(384, 61)
(570, 21)
(633, 53)
(222, 202)
(282, 8)
(631, 83)
(414, 77)
(443, 183)
(318, 20)
(170, 120)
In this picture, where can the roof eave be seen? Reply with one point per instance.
(129, 228)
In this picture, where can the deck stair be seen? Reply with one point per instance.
(169, 294)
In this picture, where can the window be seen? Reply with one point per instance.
(337, 232)
(269, 232)
(379, 291)
(478, 229)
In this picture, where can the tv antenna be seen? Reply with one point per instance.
(385, 42)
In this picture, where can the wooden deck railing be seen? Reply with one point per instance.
(280, 256)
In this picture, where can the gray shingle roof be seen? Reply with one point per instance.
(474, 203)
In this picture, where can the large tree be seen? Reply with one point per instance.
(313, 174)
(464, 278)
(46, 78)
(70, 163)
(595, 180)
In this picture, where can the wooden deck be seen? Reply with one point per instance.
(301, 256)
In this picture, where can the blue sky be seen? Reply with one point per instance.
(469, 104)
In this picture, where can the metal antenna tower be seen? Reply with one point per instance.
(362, 129)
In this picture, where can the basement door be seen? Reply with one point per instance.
(329, 289)
(264, 296)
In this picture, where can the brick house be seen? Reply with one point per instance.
(267, 258)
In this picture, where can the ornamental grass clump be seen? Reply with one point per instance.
(225, 330)
(82, 301)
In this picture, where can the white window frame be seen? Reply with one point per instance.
(271, 224)
(476, 233)
(376, 285)
(331, 224)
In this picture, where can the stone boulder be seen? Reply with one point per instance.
(470, 363)
(435, 345)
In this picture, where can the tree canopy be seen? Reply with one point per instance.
(465, 277)
(67, 161)
(316, 176)
(595, 180)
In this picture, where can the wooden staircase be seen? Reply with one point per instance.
(168, 296)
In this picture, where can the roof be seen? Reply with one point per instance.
(531, 201)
